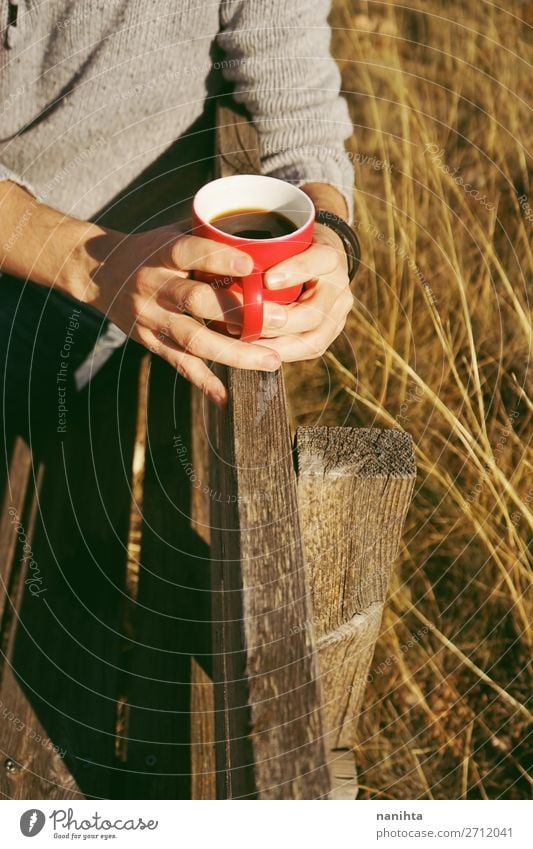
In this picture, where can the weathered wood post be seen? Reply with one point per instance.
(267, 706)
(354, 488)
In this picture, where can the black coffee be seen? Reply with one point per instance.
(254, 223)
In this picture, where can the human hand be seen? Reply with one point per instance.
(320, 313)
(142, 283)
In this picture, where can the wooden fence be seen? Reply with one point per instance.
(227, 659)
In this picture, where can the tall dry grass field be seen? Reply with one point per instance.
(439, 344)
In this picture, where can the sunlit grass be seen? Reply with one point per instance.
(439, 344)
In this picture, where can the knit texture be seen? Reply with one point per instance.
(93, 91)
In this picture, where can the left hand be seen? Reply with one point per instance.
(320, 313)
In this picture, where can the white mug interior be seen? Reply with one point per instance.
(253, 191)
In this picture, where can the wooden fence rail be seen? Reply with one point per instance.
(228, 657)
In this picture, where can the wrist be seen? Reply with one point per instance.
(325, 236)
(86, 274)
(70, 260)
(41, 244)
(345, 234)
(327, 197)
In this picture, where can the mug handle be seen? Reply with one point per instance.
(252, 306)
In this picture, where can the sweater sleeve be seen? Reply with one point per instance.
(7, 174)
(278, 58)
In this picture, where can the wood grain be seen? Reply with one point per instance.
(203, 762)
(354, 489)
(203, 759)
(16, 480)
(269, 728)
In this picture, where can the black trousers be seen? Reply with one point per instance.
(45, 337)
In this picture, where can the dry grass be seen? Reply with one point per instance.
(442, 327)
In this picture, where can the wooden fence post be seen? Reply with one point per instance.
(267, 701)
(354, 488)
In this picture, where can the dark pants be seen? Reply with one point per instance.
(44, 339)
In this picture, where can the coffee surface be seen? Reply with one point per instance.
(254, 223)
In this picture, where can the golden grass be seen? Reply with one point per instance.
(439, 344)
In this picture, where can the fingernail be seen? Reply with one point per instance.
(276, 317)
(219, 398)
(276, 279)
(233, 329)
(270, 363)
(243, 265)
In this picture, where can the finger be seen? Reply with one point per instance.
(193, 252)
(316, 261)
(200, 341)
(192, 369)
(324, 304)
(202, 300)
(304, 346)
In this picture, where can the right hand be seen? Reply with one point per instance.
(142, 283)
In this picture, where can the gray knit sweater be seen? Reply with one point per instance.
(93, 91)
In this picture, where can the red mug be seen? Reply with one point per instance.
(253, 192)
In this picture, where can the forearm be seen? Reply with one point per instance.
(43, 245)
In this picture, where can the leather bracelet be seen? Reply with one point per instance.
(347, 236)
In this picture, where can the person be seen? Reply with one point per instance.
(91, 94)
